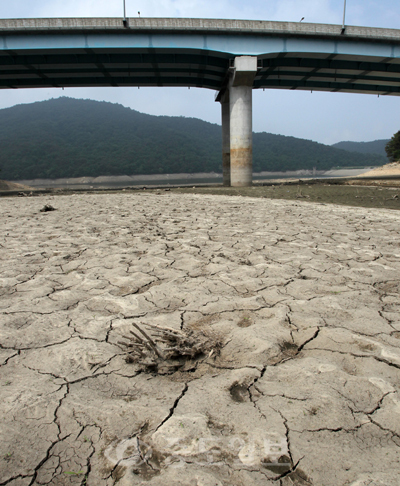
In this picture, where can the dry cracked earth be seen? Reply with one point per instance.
(305, 297)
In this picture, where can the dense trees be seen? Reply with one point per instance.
(393, 148)
(375, 147)
(66, 137)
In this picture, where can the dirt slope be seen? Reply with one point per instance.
(12, 186)
(392, 169)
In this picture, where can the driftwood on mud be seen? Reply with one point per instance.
(165, 350)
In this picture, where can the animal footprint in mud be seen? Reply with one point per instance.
(238, 392)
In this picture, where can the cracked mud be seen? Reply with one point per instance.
(305, 390)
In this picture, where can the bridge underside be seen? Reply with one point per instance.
(332, 73)
(229, 57)
(195, 68)
(113, 67)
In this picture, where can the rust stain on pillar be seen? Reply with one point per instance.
(242, 156)
(241, 166)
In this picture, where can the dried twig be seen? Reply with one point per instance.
(149, 340)
(174, 349)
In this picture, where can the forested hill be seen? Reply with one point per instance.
(375, 147)
(65, 137)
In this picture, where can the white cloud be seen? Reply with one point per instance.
(81, 8)
(319, 11)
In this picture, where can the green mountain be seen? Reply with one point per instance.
(375, 147)
(66, 137)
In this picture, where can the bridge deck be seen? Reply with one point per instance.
(221, 26)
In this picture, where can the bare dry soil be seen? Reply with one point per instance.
(303, 295)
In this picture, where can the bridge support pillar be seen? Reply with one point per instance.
(226, 139)
(240, 126)
(241, 147)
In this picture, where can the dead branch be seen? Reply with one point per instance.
(174, 348)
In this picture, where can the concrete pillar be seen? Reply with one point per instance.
(241, 144)
(241, 120)
(226, 140)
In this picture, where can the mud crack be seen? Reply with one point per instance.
(173, 408)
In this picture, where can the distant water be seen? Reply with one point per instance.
(180, 179)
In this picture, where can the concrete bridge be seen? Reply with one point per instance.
(231, 57)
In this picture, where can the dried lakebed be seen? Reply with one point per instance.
(304, 298)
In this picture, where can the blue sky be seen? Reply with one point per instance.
(323, 117)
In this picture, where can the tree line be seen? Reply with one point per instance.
(67, 137)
